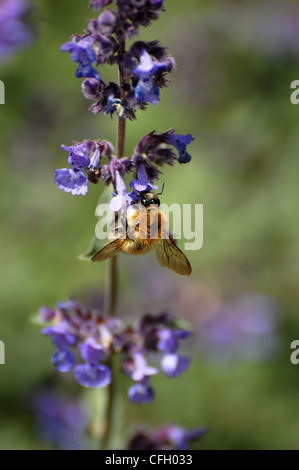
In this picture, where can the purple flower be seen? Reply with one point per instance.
(61, 335)
(146, 89)
(178, 437)
(141, 183)
(106, 22)
(122, 198)
(98, 4)
(82, 52)
(174, 365)
(138, 368)
(91, 351)
(166, 438)
(180, 142)
(13, 32)
(95, 376)
(82, 156)
(141, 392)
(63, 360)
(168, 339)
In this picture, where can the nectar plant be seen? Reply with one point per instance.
(87, 340)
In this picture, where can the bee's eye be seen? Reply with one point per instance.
(144, 202)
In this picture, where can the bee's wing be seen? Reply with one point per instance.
(170, 256)
(108, 251)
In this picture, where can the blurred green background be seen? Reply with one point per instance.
(231, 90)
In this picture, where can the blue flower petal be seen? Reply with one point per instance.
(63, 360)
(92, 376)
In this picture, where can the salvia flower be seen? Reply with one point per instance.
(146, 89)
(167, 438)
(154, 147)
(141, 183)
(84, 341)
(82, 52)
(84, 159)
(180, 142)
(14, 33)
(98, 4)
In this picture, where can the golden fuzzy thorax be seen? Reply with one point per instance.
(145, 228)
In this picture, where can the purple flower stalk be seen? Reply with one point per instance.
(85, 340)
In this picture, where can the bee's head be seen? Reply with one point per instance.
(148, 199)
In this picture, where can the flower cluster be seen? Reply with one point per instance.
(91, 161)
(14, 33)
(166, 438)
(143, 67)
(85, 341)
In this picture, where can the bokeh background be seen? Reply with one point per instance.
(235, 63)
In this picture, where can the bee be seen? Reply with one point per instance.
(140, 229)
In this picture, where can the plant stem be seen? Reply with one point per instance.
(112, 281)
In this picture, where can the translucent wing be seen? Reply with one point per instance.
(108, 251)
(170, 256)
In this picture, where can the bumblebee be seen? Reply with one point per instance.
(140, 229)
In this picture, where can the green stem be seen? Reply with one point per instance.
(112, 284)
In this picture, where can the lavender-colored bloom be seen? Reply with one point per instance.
(168, 340)
(71, 180)
(82, 52)
(106, 22)
(180, 142)
(146, 89)
(122, 198)
(62, 337)
(63, 359)
(166, 438)
(98, 4)
(138, 368)
(141, 392)
(148, 66)
(141, 183)
(13, 32)
(174, 365)
(153, 146)
(91, 351)
(83, 156)
(95, 376)
(178, 438)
